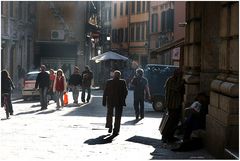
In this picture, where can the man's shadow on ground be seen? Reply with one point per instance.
(133, 122)
(103, 139)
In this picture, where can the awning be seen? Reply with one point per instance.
(109, 56)
(170, 46)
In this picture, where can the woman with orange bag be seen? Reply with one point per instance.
(59, 87)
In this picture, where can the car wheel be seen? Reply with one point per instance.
(25, 98)
(158, 104)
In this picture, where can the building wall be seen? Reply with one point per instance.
(68, 12)
(68, 19)
(211, 65)
(106, 25)
(179, 17)
(17, 36)
(135, 49)
(119, 22)
(167, 31)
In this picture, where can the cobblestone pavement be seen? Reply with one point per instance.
(78, 133)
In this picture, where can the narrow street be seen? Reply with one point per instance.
(78, 132)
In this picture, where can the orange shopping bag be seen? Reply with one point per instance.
(65, 99)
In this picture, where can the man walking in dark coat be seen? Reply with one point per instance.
(87, 76)
(114, 97)
(74, 83)
(174, 91)
(43, 82)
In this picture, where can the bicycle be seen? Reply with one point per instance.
(5, 103)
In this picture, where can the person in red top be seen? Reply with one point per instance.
(52, 78)
(59, 87)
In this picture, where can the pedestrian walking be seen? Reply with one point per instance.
(87, 76)
(75, 83)
(114, 97)
(6, 87)
(52, 78)
(140, 87)
(42, 82)
(174, 91)
(59, 87)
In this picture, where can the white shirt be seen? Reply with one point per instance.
(196, 106)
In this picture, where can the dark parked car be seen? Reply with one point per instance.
(157, 75)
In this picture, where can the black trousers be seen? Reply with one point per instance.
(139, 107)
(10, 108)
(174, 117)
(118, 115)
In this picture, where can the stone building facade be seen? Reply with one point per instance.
(130, 29)
(60, 39)
(211, 65)
(17, 36)
(165, 32)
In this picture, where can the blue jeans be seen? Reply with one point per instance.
(43, 97)
(83, 93)
(59, 95)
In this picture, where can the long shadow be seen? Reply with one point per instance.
(163, 150)
(103, 139)
(46, 112)
(95, 109)
(37, 105)
(28, 112)
(132, 122)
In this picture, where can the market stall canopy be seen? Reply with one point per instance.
(109, 56)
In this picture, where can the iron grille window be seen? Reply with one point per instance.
(115, 10)
(132, 32)
(126, 9)
(138, 6)
(143, 31)
(126, 34)
(167, 20)
(138, 32)
(11, 8)
(155, 22)
(121, 8)
(133, 7)
(143, 6)
(120, 35)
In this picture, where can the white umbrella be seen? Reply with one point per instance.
(109, 56)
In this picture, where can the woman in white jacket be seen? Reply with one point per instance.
(59, 87)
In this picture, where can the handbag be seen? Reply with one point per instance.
(65, 98)
(163, 122)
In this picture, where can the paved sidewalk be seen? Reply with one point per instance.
(76, 133)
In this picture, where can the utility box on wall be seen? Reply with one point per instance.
(57, 35)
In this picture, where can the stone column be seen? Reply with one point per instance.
(223, 117)
(192, 52)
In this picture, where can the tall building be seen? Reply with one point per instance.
(130, 27)
(106, 25)
(93, 29)
(60, 39)
(166, 32)
(17, 36)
